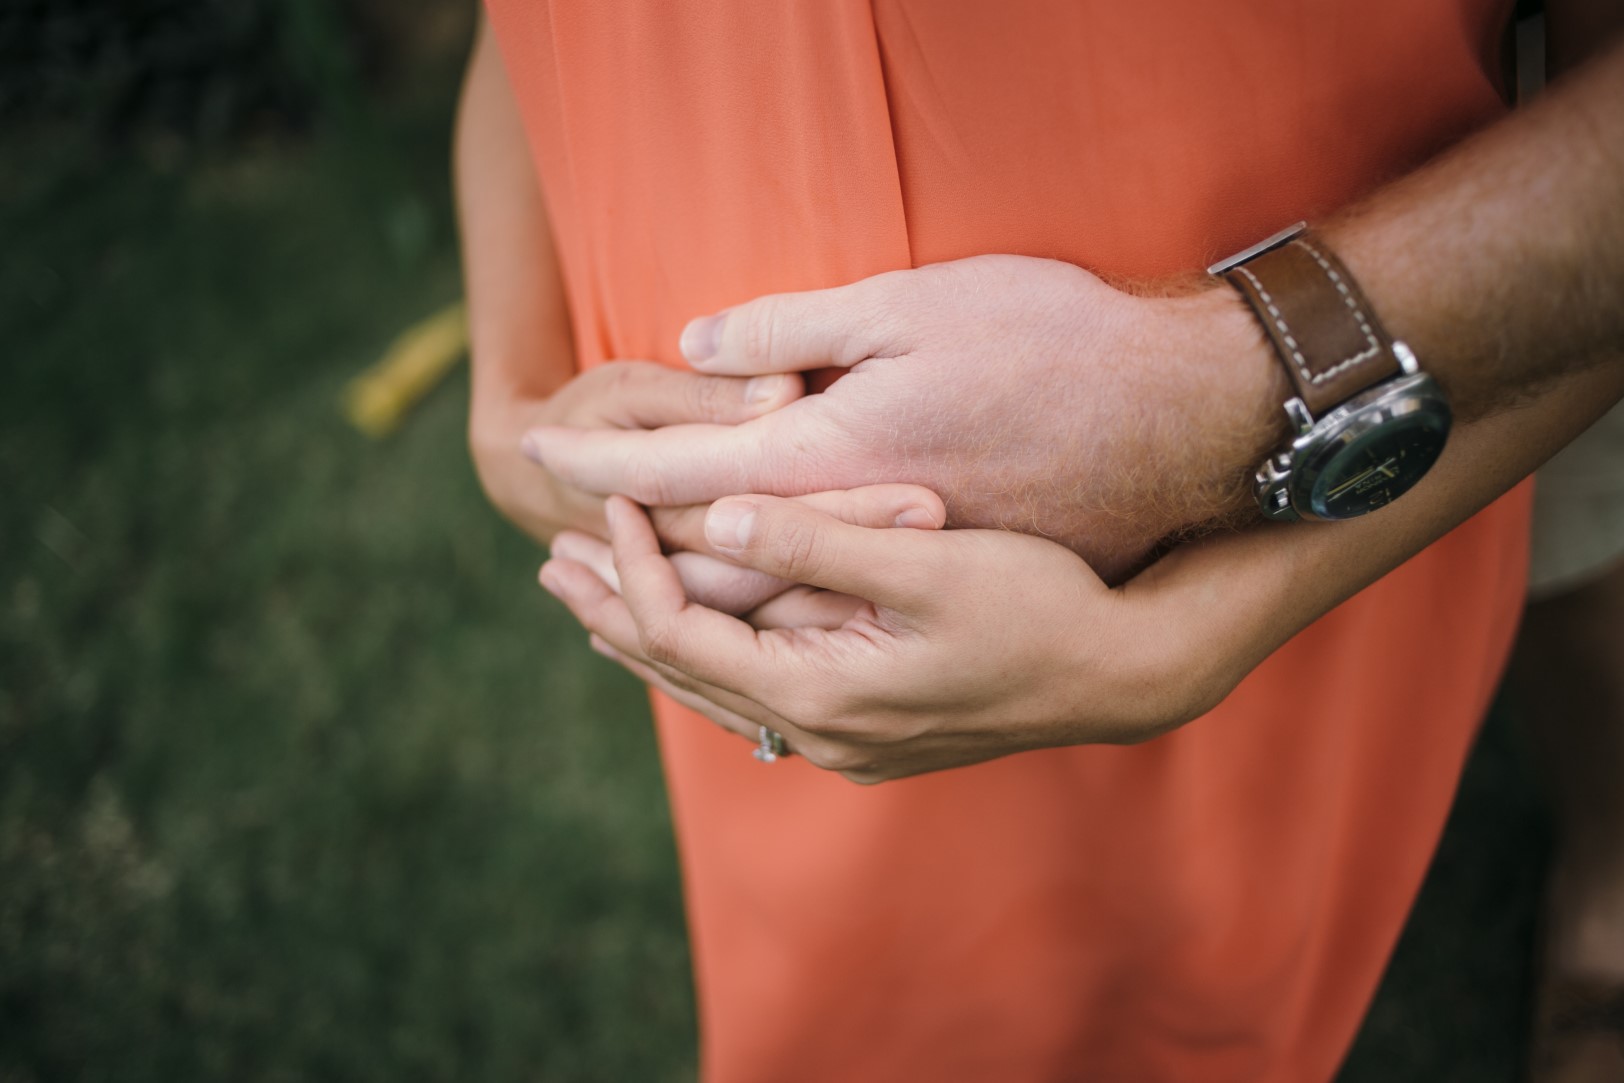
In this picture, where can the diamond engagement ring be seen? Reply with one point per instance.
(772, 746)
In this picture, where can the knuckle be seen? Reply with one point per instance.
(865, 777)
(661, 643)
(700, 398)
(760, 329)
(842, 759)
(800, 547)
(618, 376)
(815, 753)
(828, 755)
(646, 482)
(634, 386)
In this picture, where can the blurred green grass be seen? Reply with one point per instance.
(301, 777)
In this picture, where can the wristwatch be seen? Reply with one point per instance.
(1367, 422)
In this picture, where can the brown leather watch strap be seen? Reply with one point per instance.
(1324, 330)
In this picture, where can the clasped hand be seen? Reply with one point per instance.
(1027, 392)
(1034, 398)
(907, 650)
(624, 395)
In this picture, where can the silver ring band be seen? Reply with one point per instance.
(772, 746)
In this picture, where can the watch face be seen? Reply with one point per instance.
(1373, 456)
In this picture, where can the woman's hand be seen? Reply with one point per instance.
(942, 666)
(765, 600)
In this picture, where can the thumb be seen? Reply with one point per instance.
(794, 332)
(891, 504)
(788, 539)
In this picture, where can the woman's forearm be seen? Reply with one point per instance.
(519, 326)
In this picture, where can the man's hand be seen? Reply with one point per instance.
(1030, 394)
(977, 644)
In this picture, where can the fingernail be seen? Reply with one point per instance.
(917, 518)
(702, 338)
(549, 580)
(728, 524)
(764, 389)
(531, 448)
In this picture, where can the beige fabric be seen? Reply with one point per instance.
(1579, 510)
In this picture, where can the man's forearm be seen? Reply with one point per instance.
(1502, 263)
(1229, 601)
(518, 320)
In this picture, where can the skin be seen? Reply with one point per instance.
(1500, 264)
(523, 352)
(880, 689)
(992, 343)
(947, 665)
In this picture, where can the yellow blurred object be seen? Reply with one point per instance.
(377, 400)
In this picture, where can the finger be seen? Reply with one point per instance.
(644, 395)
(745, 719)
(681, 528)
(679, 464)
(589, 599)
(871, 506)
(745, 727)
(710, 646)
(806, 607)
(793, 332)
(593, 552)
(606, 615)
(894, 568)
(614, 635)
(854, 764)
(722, 585)
(727, 662)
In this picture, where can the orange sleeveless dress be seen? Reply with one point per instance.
(1215, 905)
